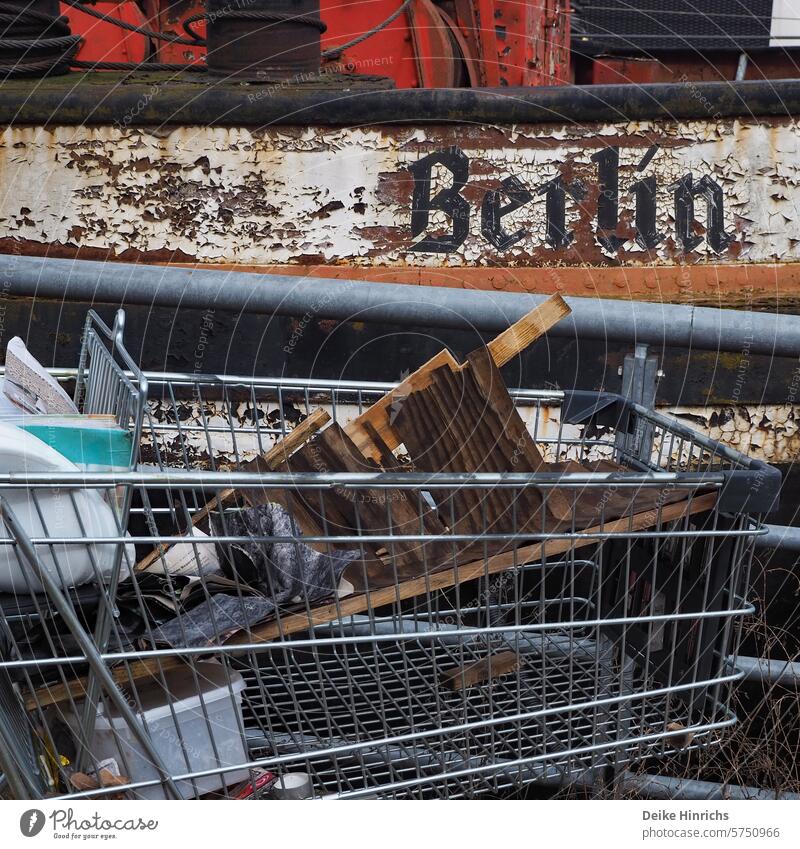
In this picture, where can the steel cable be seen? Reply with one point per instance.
(161, 36)
(64, 45)
(48, 49)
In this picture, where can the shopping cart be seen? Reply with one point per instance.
(526, 656)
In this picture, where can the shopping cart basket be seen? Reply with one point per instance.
(530, 655)
(107, 383)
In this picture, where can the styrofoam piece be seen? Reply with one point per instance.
(65, 513)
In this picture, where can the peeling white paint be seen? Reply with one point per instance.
(766, 432)
(322, 194)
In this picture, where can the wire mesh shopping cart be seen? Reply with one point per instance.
(264, 629)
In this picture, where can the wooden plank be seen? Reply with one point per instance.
(478, 447)
(527, 330)
(471, 438)
(388, 462)
(469, 571)
(297, 622)
(265, 462)
(122, 675)
(331, 509)
(512, 509)
(493, 666)
(591, 505)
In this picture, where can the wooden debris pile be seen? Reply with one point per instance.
(446, 416)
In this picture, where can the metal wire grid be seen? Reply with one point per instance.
(361, 692)
(325, 688)
(218, 422)
(574, 705)
(108, 381)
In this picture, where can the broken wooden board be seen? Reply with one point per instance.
(465, 421)
(504, 347)
(396, 512)
(294, 623)
(266, 462)
(285, 626)
(451, 427)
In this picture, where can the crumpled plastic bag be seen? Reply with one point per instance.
(281, 571)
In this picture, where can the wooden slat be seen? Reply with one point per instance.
(76, 689)
(469, 571)
(451, 427)
(265, 462)
(527, 330)
(325, 613)
(434, 446)
(480, 671)
(465, 421)
(380, 415)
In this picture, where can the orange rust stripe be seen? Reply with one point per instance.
(725, 285)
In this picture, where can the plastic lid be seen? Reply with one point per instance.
(153, 701)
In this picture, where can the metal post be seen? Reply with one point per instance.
(785, 673)
(666, 787)
(639, 374)
(784, 537)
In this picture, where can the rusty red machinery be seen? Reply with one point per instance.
(659, 194)
(478, 43)
(463, 42)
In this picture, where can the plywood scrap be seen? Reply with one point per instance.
(594, 504)
(465, 421)
(380, 416)
(480, 671)
(508, 344)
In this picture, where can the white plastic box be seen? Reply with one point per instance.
(191, 750)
